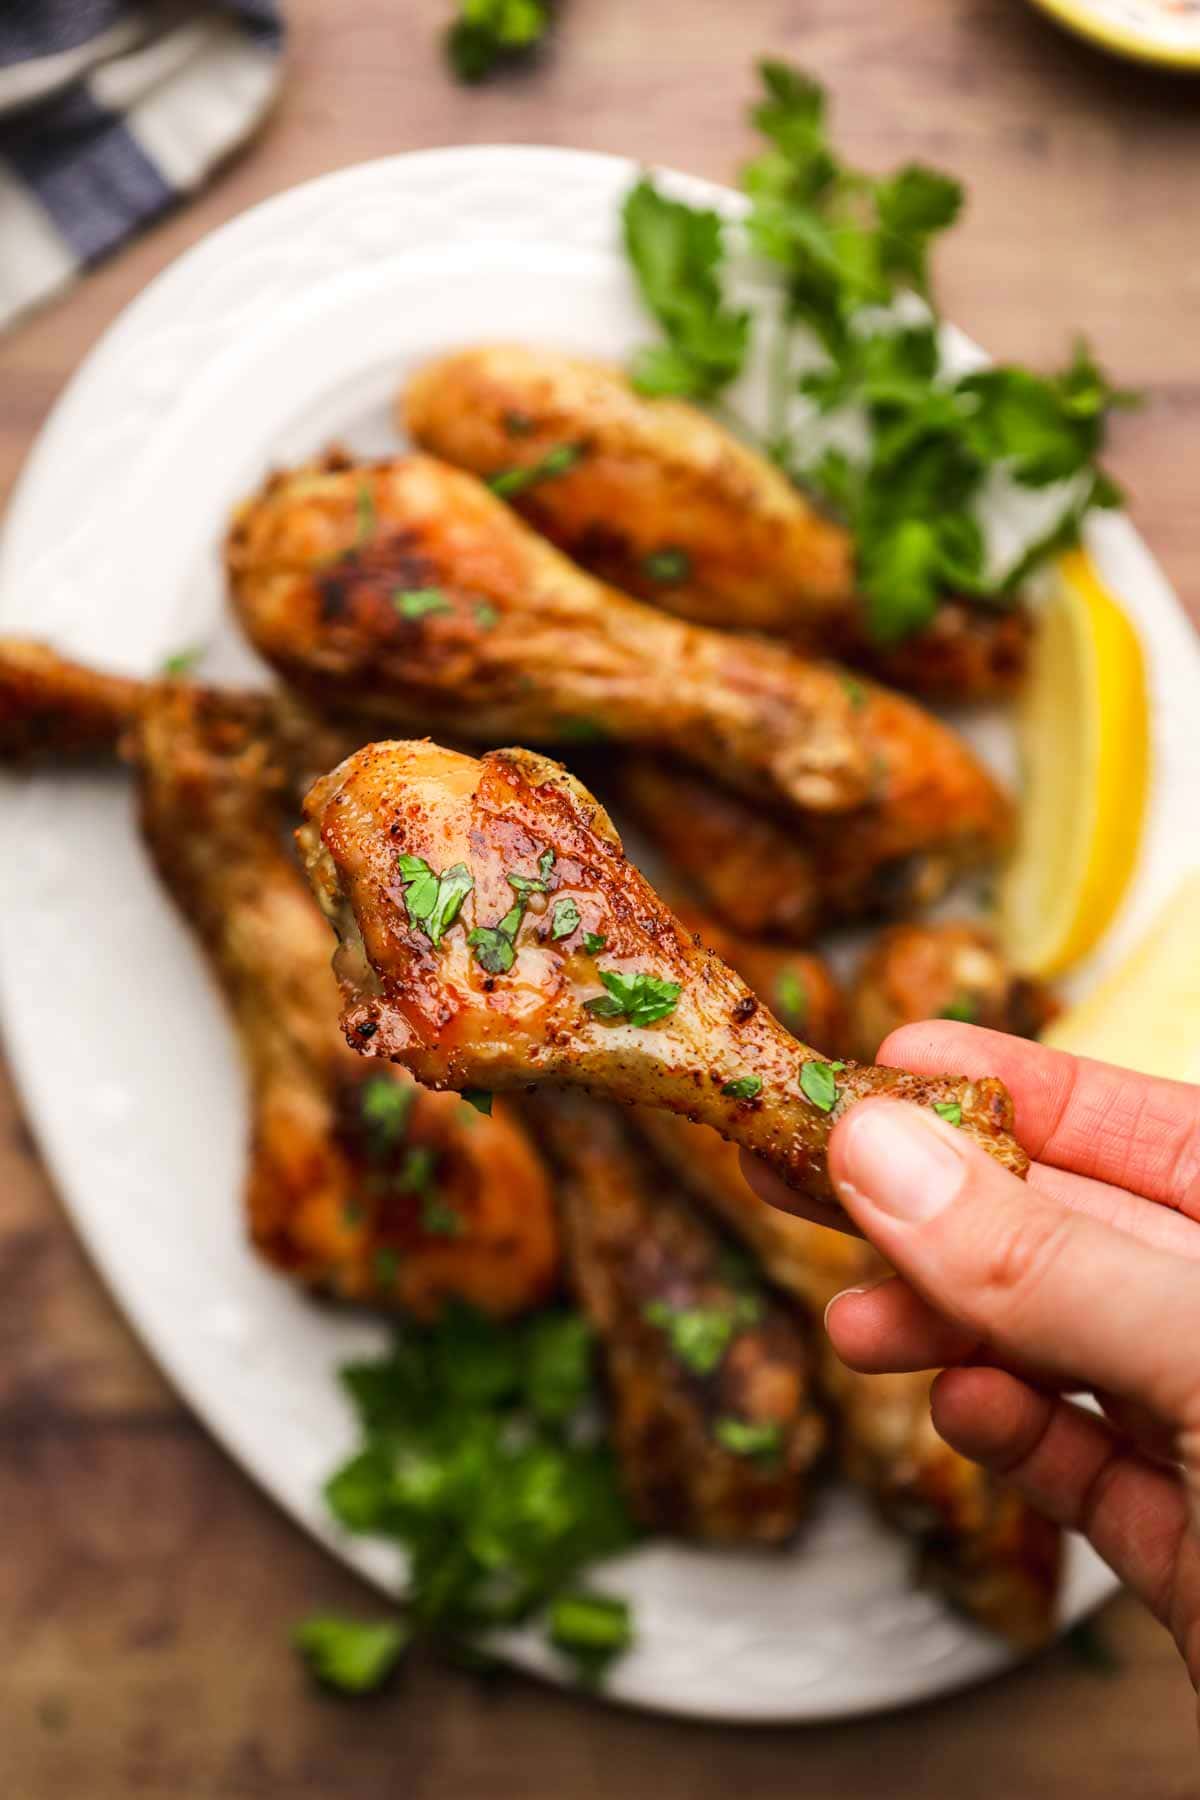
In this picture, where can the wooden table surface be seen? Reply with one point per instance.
(146, 1588)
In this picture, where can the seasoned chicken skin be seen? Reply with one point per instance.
(663, 502)
(495, 935)
(710, 1378)
(405, 590)
(946, 971)
(993, 1557)
(370, 1189)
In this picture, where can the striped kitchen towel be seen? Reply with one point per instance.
(109, 112)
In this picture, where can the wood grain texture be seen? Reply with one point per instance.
(146, 1589)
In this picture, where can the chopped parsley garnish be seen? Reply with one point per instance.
(699, 1336)
(964, 1007)
(353, 1656)
(487, 34)
(364, 507)
(434, 901)
(181, 662)
(386, 1105)
(592, 1628)
(791, 998)
(668, 566)
(566, 918)
(479, 1456)
(494, 949)
(417, 603)
(744, 1437)
(639, 998)
(817, 1079)
(546, 862)
(480, 1099)
(850, 253)
(744, 1088)
(594, 942)
(486, 616)
(438, 1219)
(385, 1266)
(510, 482)
(950, 1110)
(854, 690)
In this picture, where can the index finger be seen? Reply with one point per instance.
(1137, 1132)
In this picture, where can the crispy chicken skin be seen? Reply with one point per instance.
(666, 504)
(799, 987)
(407, 591)
(993, 1557)
(716, 1438)
(767, 877)
(435, 1007)
(952, 970)
(369, 1189)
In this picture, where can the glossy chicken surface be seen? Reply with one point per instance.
(709, 1377)
(665, 503)
(405, 590)
(360, 1183)
(977, 1541)
(493, 934)
(944, 971)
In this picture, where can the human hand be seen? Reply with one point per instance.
(1087, 1278)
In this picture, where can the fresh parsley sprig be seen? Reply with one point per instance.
(488, 34)
(851, 256)
(640, 998)
(432, 901)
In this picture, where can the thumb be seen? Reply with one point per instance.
(1038, 1283)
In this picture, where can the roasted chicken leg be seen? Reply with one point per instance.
(660, 500)
(945, 971)
(493, 934)
(993, 1557)
(710, 1377)
(405, 590)
(369, 1189)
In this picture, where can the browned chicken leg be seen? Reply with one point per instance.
(994, 1557)
(408, 592)
(799, 987)
(370, 1189)
(495, 935)
(946, 971)
(657, 498)
(710, 1378)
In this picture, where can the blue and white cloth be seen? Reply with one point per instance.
(110, 111)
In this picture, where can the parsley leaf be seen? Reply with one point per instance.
(950, 1110)
(591, 1628)
(510, 482)
(364, 507)
(486, 616)
(566, 918)
(353, 1656)
(385, 1105)
(699, 1335)
(594, 942)
(746, 1437)
(639, 998)
(490, 33)
(744, 1088)
(479, 1098)
(181, 662)
(817, 1080)
(434, 901)
(416, 603)
(791, 998)
(677, 255)
(668, 566)
(438, 1219)
(964, 1007)
(493, 947)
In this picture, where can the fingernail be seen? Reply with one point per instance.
(865, 1287)
(895, 1159)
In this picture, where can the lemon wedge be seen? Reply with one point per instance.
(1146, 1014)
(1083, 729)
